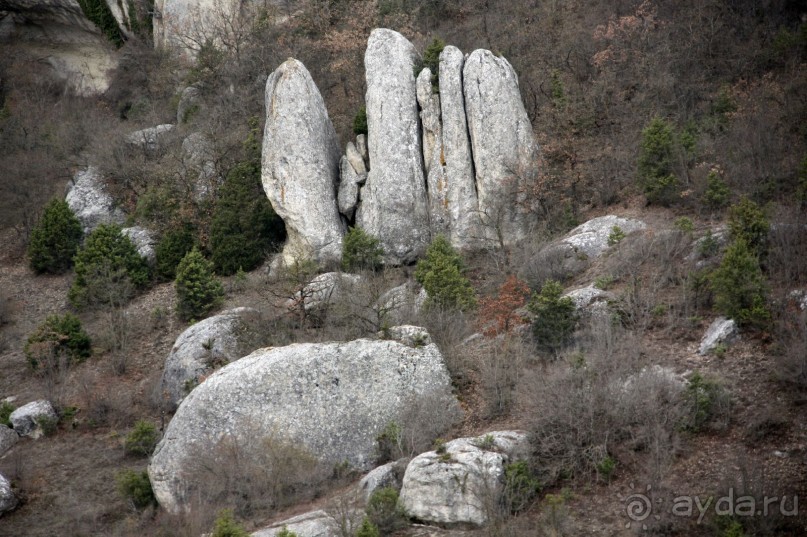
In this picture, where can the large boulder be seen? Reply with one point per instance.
(312, 524)
(591, 239)
(8, 437)
(385, 476)
(144, 241)
(328, 400)
(394, 205)
(29, 419)
(463, 483)
(151, 140)
(349, 184)
(462, 202)
(88, 199)
(8, 500)
(503, 145)
(324, 289)
(722, 331)
(215, 341)
(300, 165)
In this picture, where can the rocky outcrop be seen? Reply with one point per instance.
(590, 300)
(58, 35)
(385, 476)
(402, 302)
(722, 331)
(151, 140)
(89, 201)
(8, 437)
(592, 238)
(8, 500)
(208, 344)
(462, 202)
(433, 154)
(461, 484)
(394, 205)
(199, 165)
(300, 165)
(189, 102)
(329, 400)
(349, 184)
(312, 524)
(144, 241)
(324, 289)
(503, 145)
(28, 419)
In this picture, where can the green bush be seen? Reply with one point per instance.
(431, 59)
(142, 440)
(59, 334)
(99, 13)
(656, 151)
(55, 239)
(106, 259)
(226, 526)
(441, 273)
(555, 317)
(360, 121)
(171, 248)
(384, 512)
(361, 251)
(244, 227)
(717, 193)
(198, 289)
(6, 409)
(520, 486)
(749, 223)
(367, 529)
(704, 399)
(135, 487)
(615, 236)
(739, 287)
(286, 532)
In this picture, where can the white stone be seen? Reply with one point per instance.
(394, 206)
(312, 524)
(722, 331)
(330, 400)
(27, 419)
(300, 166)
(152, 139)
(591, 238)
(144, 241)
(8, 437)
(89, 201)
(8, 500)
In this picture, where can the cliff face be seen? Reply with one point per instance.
(64, 41)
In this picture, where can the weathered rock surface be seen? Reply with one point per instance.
(312, 524)
(212, 342)
(26, 420)
(402, 302)
(503, 145)
(459, 486)
(349, 184)
(591, 238)
(144, 241)
(152, 139)
(722, 331)
(188, 102)
(198, 160)
(590, 300)
(385, 476)
(462, 202)
(58, 35)
(90, 202)
(394, 205)
(355, 159)
(300, 165)
(433, 153)
(361, 146)
(324, 289)
(330, 400)
(8, 437)
(8, 500)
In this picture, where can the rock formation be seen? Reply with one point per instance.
(458, 485)
(8, 500)
(503, 145)
(394, 205)
(212, 342)
(144, 241)
(8, 437)
(722, 331)
(433, 153)
(28, 419)
(300, 165)
(90, 202)
(328, 400)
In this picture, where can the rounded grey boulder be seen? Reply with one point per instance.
(328, 400)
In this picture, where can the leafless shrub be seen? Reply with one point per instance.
(100, 404)
(500, 362)
(791, 358)
(597, 401)
(449, 329)
(787, 252)
(254, 475)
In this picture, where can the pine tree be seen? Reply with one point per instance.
(441, 273)
(198, 289)
(361, 251)
(55, 239)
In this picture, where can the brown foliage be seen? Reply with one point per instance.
(497, 315)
